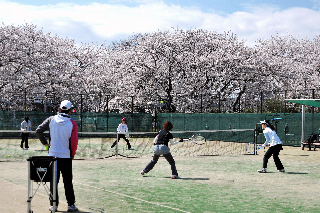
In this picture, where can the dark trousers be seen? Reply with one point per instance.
(124, 138)
(155, 159)
(273, 150)
(64, 166)
(24, 139)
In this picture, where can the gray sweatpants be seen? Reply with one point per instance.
(165, 151)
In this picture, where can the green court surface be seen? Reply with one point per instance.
(221, 183)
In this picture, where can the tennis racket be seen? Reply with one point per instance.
(250, 148)
(196, 139)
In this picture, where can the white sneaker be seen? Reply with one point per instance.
(72, 208)
(282, 170)
(142, 172)
(263, 170)
(51, 208)
(175, 177)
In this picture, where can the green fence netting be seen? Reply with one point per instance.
(219, 121)
(145, 122)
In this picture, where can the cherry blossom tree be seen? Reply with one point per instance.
(287, 64)
(176, 71)
(181, 67)
(33, 62)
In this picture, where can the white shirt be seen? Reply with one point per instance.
(122, 128)
(26, 125)
(271, 137)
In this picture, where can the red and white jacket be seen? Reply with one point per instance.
(63, 135)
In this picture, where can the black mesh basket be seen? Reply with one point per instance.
(41, 168)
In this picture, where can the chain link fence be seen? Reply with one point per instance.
(102, 113)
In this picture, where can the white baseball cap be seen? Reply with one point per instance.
(263, 122)
(66, 105)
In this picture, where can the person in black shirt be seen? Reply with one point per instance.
(161, 148)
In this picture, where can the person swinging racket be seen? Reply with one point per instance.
(161, 148)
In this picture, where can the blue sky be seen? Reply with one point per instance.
(98, 21)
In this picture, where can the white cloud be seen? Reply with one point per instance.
(96, 22)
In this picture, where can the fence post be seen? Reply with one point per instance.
(312, 98)
(54, 103)
(132, 105)
(201, 103)
(219, 102)
(81, 108)
(303, 122)
(25, 102)
(261, 101)
(107, 113)
(132, 111)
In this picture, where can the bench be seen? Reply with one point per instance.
(312, 141)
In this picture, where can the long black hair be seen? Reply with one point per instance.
(270, 125)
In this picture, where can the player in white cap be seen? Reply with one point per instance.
(63, 145)
(275, 146)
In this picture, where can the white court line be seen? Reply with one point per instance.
(158, 204)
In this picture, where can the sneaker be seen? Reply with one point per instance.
(51, 208)
(175, 177)
(130, 148)
(281, 170)
(142, 172)
(26, 148)
(263, 170)
(72, 208)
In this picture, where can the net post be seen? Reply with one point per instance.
(255, 132)
(29, 188)
(117, 144)
(54, 183)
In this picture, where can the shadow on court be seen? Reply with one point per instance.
(291, 173)
(180, 178)
(193, 178)
(297, 173)
(76, 211)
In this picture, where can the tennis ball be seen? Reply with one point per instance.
(9, 156)
(47, 148)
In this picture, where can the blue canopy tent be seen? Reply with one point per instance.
(304, 102)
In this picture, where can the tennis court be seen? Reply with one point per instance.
(218, 183)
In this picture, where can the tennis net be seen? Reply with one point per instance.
(98, 144)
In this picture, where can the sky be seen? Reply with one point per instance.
(107, 21)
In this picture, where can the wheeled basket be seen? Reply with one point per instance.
(42, 169)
